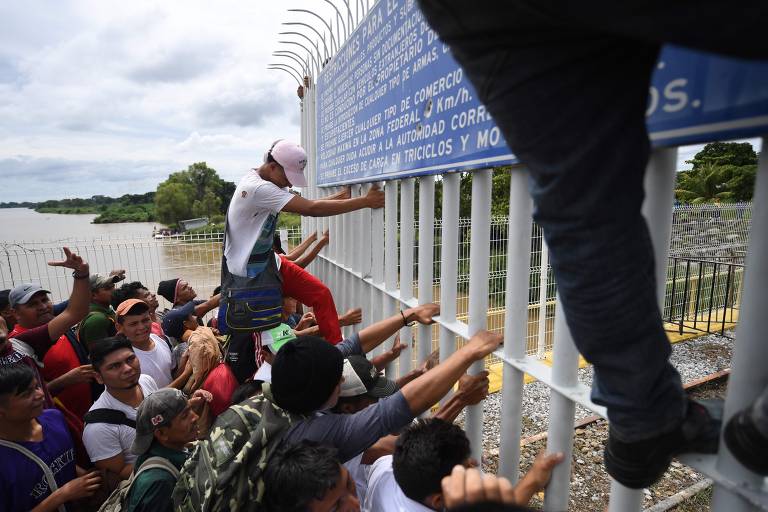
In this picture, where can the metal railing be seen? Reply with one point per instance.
(703, 295)
(197, 258)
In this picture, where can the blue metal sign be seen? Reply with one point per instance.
(393, 102)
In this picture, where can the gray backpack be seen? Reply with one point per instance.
(118, 500)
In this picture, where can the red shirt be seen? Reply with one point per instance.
(58, 360)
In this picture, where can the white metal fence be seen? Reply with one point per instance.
(197, 258)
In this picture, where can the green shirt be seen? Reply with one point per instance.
(98, 324)
(153, 488)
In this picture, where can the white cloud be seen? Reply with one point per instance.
(147, 87)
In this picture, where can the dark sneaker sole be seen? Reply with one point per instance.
(746, 443)
(635, 476)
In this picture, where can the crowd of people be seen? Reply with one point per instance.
(105, 400)
(108, 403)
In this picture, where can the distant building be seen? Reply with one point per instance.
(186, 225)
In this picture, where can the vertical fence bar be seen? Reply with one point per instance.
(406, 267)
(479, 253)
(449, 245)
(515, 320)
(543, 280)
(390, 255)
(715, 273)
(674, 283)
(725, 302)
(565, 365)
(684, 307)
(377, 269)
(698, 295)
(749, 375)
(426, 257)
(658, 211)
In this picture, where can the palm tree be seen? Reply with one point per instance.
(706, 184)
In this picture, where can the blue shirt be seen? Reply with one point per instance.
(22, 483)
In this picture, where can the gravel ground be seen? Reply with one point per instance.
(590, 484)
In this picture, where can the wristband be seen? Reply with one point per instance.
(405, 320)
(80, 276)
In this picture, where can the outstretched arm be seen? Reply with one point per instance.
(373, 335)
(327, 207)
(426, 390)
(78, 301)
(309, 257)
(204, 307)
(299, 249)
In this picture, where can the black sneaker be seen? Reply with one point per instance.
(746, 443)
(639, 464)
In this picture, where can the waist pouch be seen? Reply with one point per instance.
(250, 304)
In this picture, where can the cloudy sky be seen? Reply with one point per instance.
(109, 97)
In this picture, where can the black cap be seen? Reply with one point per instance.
(305, 373)
(167, 289)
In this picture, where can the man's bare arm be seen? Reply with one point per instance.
(328, 207)
(79, 301)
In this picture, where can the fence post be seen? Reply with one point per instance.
(377, 270)
(749, 375)
(565, 366)
(657, 210)
(390, 256)
(406, 267)
(519, 228)
(541, 339)
(426, 257)
(449, 244)
(478, 289)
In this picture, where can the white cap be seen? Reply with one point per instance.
(293, 159)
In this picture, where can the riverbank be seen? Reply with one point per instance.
(107, 214)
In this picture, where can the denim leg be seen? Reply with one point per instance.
(571, 105)
(567, 84)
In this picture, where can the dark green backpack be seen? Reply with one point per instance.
(225, 470)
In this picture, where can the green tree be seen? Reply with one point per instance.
(173, 201)
(197, 191)
(208, 206)
(725, 153)
(722, 171)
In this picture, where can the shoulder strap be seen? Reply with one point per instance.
(52, 486)
(110, 416)
(158, 463)
(150, 463)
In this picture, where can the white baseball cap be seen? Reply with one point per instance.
(292, 158)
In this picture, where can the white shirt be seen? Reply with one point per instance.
(384, 495)
(359, 473)
(103, 440)
(158, 362)
(264, 373)
(252, 218)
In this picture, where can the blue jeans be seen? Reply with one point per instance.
(567, 83)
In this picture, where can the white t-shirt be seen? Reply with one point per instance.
(252, 218)
(264, 373)
(383, 494)
(359, 473)
(103, 440)
(158, 362)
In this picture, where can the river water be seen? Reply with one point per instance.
(29, 239)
